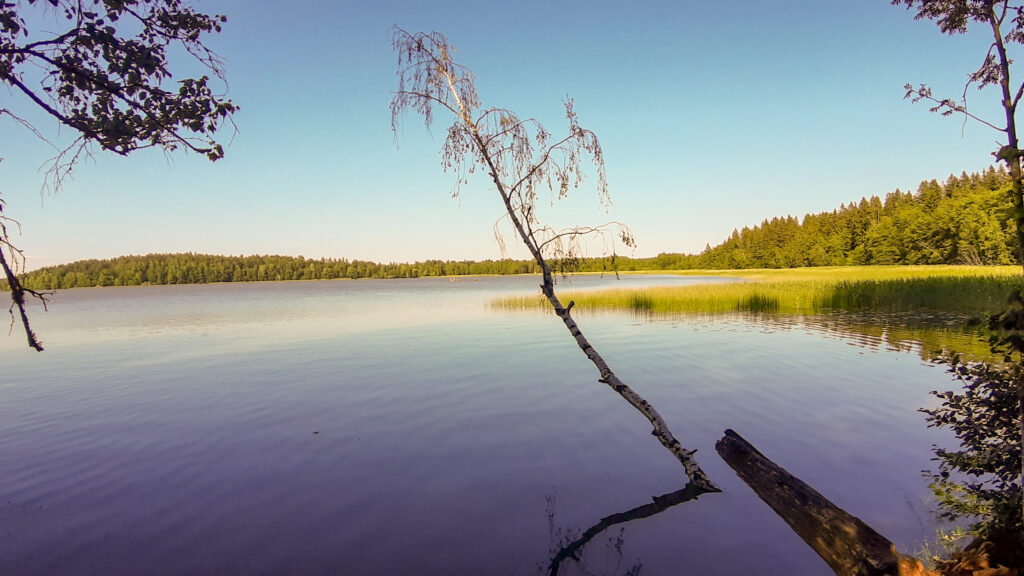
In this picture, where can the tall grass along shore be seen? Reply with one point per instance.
(971, 290)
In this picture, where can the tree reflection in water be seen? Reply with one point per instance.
(926, 334)
(574, 549)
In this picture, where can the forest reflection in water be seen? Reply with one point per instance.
(926, 334)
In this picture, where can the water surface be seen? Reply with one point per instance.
(405, 427)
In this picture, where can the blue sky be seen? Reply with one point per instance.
(713, 116)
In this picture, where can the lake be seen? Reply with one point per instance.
(406, 427)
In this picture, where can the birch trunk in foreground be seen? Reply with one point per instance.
(521, 159)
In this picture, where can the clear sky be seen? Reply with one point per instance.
(713, 116)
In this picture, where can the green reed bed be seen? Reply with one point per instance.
(962, 289)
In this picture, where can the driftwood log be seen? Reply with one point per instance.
(849, 546)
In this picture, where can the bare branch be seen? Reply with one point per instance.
(945, 107)
(61, 165)
(18, 292)
(582, 231)
(27, 125)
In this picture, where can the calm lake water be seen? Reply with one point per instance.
(405, 427)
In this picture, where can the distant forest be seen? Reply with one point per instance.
(189, 268)
(965, 220)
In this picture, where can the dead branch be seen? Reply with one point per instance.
(18, 292)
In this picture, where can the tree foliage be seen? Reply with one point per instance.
(520, 156)
(107, 76)
(101, 68)
(982, 417)
(980, 480)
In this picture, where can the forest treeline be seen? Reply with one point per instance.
(965, 220)
(190, 268)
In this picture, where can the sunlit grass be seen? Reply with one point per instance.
(963, 289)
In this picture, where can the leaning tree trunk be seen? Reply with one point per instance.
(660, 430)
